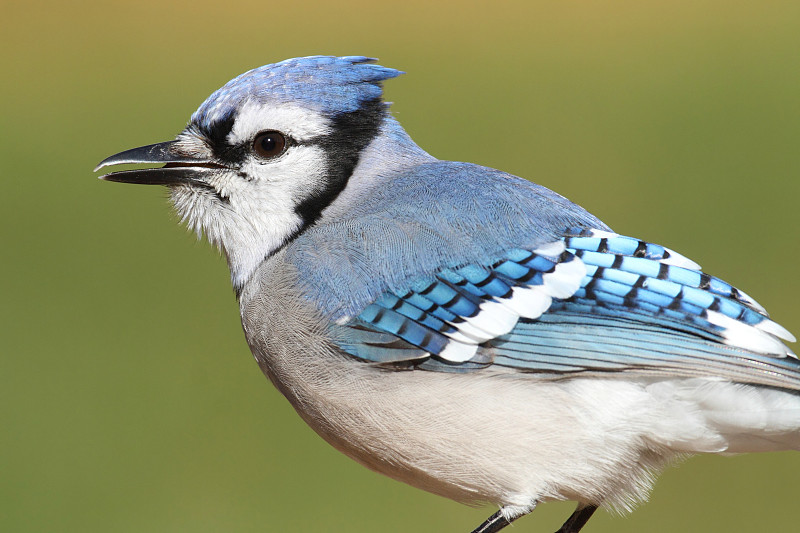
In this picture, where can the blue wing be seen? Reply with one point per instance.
(590, 302)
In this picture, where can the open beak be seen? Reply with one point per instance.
(179, 168)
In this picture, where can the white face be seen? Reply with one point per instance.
(251, 210)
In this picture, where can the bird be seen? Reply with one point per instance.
(452, 326)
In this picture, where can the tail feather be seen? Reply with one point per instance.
(738, 418)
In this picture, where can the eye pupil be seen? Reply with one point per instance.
(269, 144)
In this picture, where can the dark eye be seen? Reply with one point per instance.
(269, 144)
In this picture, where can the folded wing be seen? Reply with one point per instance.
(592, 302)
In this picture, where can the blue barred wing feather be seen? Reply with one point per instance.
(592, 302)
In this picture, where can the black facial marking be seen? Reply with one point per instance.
(217, 133)
(352, 132)
(217, 136)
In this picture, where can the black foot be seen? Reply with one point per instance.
(494, 523)
(578, 519)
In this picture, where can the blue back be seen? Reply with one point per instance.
(440, 214)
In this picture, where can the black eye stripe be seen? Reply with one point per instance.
(237, 154)
(352, 132)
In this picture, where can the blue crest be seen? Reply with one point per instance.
(332, 85)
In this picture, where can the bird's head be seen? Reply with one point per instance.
(264, 155)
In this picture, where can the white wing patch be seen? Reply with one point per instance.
(498, 316)
(457, 352)
(761, 338)
(565, 279)
(529, 302)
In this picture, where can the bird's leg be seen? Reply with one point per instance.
(502, 518)
(578, 519)
(494, 523)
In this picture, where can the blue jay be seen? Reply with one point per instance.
(454, 327)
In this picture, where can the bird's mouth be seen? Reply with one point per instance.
(178, 168)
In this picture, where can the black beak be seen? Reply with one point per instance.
(179, 168)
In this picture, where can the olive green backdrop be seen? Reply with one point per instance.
(129, 401)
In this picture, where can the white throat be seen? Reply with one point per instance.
(246, 240)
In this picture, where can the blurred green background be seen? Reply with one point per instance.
(128, 399)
